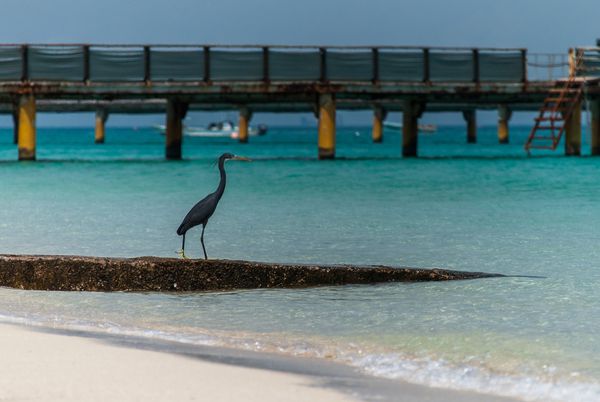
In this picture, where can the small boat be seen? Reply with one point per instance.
(223, 129)
(424, 128)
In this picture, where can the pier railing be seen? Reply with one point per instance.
(89, 64)
(589, 62)
(547, 66)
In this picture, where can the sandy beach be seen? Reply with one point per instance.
(50, 367)
(57, 365)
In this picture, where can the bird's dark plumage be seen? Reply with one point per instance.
(204, 209)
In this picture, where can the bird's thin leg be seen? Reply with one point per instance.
(202, 241)
(182, 251)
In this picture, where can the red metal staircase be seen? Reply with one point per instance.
(558, 107)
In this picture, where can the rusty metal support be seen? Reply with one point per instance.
(244, 124)
(504, 115)
(471, 119)
(176, 111)
(326, 143)
(411, 112)
(27, 128)
(379, 115)
(100, 129)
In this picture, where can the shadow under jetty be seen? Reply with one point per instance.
(155, 274)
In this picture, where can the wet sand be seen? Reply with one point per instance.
(62, 365)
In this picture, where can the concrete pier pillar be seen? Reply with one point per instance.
(378, 118)
(573, 132)
(326, 141)
(244, 123)
(595, 108)
(176, 112)
(100, 131)
(504, 115)
(26, 129)
(411, 111)
(471, 118)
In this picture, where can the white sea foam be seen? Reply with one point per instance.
(419, 370)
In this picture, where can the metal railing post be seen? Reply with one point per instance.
(24, 63)
(323, 59)
(147, 70)
(524, 65)
(426, 73)
(375, 53)
(476, 66)
(206, 63)
(266, 77)
(86, 63)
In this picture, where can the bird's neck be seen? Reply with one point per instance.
(223, 181)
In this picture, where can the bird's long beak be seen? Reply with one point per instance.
(241, 158)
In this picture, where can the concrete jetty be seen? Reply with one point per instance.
(175, 79)
(155, 274)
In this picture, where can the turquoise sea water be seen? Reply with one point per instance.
(482, 207)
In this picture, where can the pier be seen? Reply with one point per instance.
(176, 79)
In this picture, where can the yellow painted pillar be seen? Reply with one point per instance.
(504, 115)
(471, 119)
(175, 113)
(27, 128)
(411, 111)
(595, 106)
(101, 117)
(244, 123)
(326, 126)
(378, 117)
(573, 132)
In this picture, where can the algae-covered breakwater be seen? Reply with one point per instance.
(76, 273)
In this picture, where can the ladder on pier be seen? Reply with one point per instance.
(558, 107)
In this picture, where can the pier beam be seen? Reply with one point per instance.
(573, 132)
(504, 115)
(411, 111)
(595, 108)
(471, 118)
(101, 117)
(176, 112)
(326, 141)
(244, 123)
(26, 128)
(379, 115)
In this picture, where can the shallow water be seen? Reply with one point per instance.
(483, 207)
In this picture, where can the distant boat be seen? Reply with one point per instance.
(425, 128)
(224, 129)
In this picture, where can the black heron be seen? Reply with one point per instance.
(203, 210)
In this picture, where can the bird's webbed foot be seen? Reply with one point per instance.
(182, 254)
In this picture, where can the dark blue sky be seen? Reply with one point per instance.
(540, 25)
